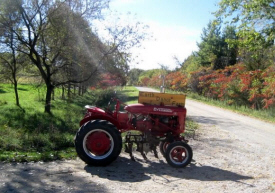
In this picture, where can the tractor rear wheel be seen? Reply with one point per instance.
(98, 143)
(178, 154)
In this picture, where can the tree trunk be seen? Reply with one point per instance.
(83, 90)
(69, 90)
(16, 93)
(49, 91)
(53, 95)
(63, 92)
(79, 89)
(14, 71)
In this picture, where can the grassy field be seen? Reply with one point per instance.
(29, 134)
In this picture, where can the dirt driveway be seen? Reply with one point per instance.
(225, 160)
(222, 163)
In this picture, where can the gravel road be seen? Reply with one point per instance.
(232, 153)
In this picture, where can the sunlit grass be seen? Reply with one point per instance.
(29, 134)
(30, 96)
(130, 94)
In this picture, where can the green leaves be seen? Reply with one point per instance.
(255, 22)
(214, 49)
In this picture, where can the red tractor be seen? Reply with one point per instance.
(159, 119)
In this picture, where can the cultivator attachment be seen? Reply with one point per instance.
(142, 144)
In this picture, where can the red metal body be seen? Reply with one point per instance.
(159, 120)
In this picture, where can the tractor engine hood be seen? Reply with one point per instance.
(155, 109)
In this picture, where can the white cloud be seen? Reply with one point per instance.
(169, 41)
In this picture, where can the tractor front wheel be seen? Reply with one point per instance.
(98, 144)
(163, 147)
(178, 154)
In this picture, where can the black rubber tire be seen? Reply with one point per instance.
(178, 149)
(163, 147)
(110, 132)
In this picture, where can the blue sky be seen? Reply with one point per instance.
(175, 25)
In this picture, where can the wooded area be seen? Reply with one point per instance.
(55, 42)
(235, 61)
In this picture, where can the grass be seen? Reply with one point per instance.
(29, 134)
(18, 156)
(131, 94)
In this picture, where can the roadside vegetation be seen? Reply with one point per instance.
(234, 66)
(262, 114)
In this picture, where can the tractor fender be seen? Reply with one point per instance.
(100, 117)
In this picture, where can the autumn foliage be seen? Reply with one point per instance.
(268, 91)
(234, 84)
(176, 81)
(108, 80)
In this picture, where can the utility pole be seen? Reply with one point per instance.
(162, 88)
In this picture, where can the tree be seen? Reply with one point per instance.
(190, 64)
(10, 59)
(210, 46)
(214, 50)
(230, 51)
(58, 39)
(35, 24)
(256, 21)
(255, 14)
(254, 51)
(133, 76)
(123, 34)
(79, 49)
(11, 66)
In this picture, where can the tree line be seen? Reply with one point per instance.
(235, 60)
(57, 41)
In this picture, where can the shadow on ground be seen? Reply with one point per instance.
(33, 178)
(2, 91)
(125, 170)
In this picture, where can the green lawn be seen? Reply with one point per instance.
(29, 134)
